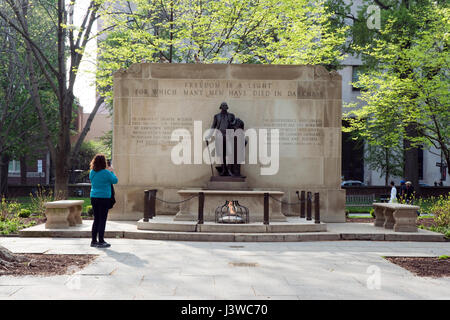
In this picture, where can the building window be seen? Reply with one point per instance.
(14, 166)
(356, 71)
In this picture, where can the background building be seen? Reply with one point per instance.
(353, 165)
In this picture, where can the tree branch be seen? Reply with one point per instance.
(26, 36)
(87, 127)
(37, 53)
(382, 5)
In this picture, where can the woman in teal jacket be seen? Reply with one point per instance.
(102, 177)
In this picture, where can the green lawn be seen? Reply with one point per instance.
(359, 217)
(359, 209)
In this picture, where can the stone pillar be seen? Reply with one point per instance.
(379, 215)
(405, 219)
(389, 218)
(57, 218)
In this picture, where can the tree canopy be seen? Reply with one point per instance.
(212, 31)
(408, 86)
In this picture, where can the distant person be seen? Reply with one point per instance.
(409, 192)
(393, 197)
(401, 195)
(102, 178)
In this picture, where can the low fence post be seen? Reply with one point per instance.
(302, 204)
(149, 204)
(316, 208)
(308, 206)
(266, 208)
(201, 203)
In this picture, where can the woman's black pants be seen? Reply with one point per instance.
(100, 206)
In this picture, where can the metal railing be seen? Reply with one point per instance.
(304, 201)
(359, 200)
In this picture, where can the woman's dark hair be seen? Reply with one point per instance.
(98, 163)
(392, 183)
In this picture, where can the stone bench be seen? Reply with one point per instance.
(63, 213)
(399, 217)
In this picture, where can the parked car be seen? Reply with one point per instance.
(353, 183)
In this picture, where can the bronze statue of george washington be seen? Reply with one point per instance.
(223, 126)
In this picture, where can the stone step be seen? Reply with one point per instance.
(161, 224)
(237, 237)
(335, 231)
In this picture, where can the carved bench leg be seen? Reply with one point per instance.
(405, 220)
(379, 217)
(75, 215)
(389, 218)
(78, 210)
(71, 218)
(57, 218)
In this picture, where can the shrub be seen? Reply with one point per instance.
(24, 213)
(13, 225)
(38, 201)
(8, 209)
(441, 211)
(89, 210)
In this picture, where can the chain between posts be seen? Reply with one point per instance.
(177, 202)
(304, 198)
(286, 203)
(150, 203)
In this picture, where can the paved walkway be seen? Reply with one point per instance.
(151, 269)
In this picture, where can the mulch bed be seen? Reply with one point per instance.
(48, 264)
(426, 222)
(37, 220)
(424, 266)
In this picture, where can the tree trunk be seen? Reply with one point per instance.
(23, 170)
(8, 259)
(4, 164)
(411, 159)
(61, 176)
(63, 150)
(386, 177)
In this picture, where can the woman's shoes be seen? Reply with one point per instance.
(103, 244)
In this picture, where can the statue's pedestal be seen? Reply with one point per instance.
(252, 199)
(227, 183)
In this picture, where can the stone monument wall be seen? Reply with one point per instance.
(152, 100)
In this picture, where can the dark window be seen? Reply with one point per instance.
(356, 71)
(352, 157)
